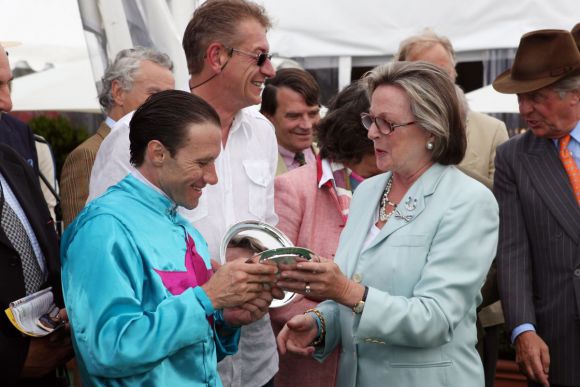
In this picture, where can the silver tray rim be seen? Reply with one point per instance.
(256, 225)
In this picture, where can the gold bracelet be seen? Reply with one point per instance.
(322, 335)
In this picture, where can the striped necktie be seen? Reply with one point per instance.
(17, 236)
(570, 166)
(300, 158)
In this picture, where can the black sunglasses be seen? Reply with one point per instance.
(260, 58)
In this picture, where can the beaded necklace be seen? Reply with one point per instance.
(385, 202)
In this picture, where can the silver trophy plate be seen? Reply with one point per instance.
(262, 238)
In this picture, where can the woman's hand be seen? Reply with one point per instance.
(319, 281)
(297, 334)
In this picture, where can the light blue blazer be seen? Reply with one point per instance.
(425, 270)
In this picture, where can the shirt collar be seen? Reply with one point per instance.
(110, 122)
(139, 176)
(285, 152)
(157, 199)
(575, 133)
(237, 123)
(327, 172)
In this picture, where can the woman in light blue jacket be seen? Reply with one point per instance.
(402, 293)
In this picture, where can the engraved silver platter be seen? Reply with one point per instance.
(264, 237)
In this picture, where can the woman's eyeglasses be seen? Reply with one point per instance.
(384, 126)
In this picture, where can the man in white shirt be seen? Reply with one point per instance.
(227, 54)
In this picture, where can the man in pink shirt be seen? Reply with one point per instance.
(291, 102)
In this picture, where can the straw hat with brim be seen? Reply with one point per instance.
(543, 57)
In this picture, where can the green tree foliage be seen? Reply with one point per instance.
(60, 133)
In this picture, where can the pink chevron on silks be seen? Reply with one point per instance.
(195, 274)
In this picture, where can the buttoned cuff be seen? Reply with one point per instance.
(521, 329)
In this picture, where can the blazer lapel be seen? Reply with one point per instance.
(412, 204)
(551, 182)
(360, 222)
(3, 238)
(14, 175)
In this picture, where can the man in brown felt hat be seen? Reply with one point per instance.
(537, 185)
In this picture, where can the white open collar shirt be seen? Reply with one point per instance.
(246, 168)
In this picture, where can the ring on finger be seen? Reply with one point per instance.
(307, 287)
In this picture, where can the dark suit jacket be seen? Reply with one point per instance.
(539, 249)
(25, 185)
(18, 136)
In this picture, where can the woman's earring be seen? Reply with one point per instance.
(429, 146)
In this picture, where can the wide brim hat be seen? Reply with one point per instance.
(543, 58)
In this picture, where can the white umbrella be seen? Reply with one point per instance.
(487, 100)
(66, 87)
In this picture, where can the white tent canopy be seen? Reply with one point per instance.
(326, 33)
(487, 100)
(66, 87)
(50, 39)
(305, 28)
(346, 34)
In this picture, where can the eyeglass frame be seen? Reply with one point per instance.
(260, 58)
(373, 119)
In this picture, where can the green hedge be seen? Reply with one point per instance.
(61, 134)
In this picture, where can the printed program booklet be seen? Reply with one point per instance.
(36, 314)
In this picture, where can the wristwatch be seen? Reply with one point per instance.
(359, 306)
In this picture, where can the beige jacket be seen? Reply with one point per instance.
(76, 173)
(484, 134)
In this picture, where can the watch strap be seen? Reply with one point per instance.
(365, 294)
(359, 306)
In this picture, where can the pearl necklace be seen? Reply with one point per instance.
(385, 202)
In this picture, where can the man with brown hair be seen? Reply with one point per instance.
(228, 58)
(291, 101)
(537, 186)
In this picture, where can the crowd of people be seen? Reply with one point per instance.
(430, 227)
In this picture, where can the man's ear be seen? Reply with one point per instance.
(216, 56)
(117, 92)
(156, 153)
(575, 97)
